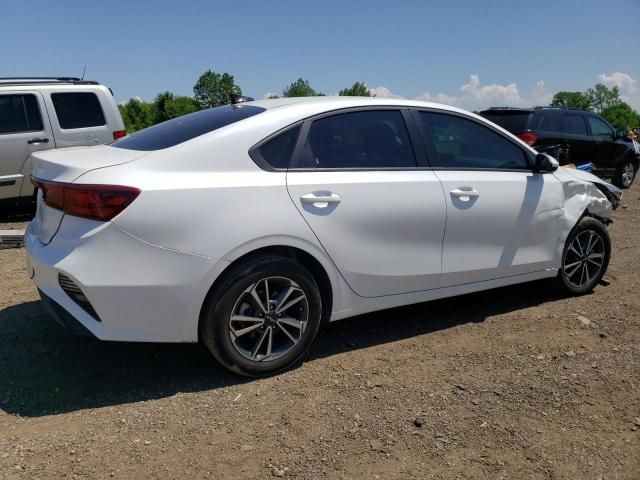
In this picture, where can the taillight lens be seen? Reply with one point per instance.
(96, 202)
(119, 134)
(528, 138)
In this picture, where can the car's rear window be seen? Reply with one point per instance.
(178, 130)
(78, 110)
(515, 122)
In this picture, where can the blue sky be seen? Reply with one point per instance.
(469, 53)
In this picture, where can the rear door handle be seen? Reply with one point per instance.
(37, 140)
(320, 199)
(465, 192)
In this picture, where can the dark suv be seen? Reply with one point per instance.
(582, 137)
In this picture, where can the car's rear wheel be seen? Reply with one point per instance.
(625, 174)
(264, 316)
(585, 257)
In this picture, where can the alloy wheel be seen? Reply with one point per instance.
(584, 259)
(627, 174)
(268, 319)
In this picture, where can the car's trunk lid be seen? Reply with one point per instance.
(67, 165)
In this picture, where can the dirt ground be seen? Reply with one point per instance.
(512, 383)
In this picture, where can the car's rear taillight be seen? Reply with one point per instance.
(119, 134)
(528, 138)
(97, 202)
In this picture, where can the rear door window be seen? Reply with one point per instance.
(462, 143)
(19, 113)
(178, 130)
(78, 110)
(368, 139)
(277, 151)
(574, 125)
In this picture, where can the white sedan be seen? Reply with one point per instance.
(247, 226)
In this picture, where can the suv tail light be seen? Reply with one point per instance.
(528, 138)
(119, 134)
(96, 202)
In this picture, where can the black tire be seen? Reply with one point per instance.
(577, 282)
(625, 174)
(216, 323)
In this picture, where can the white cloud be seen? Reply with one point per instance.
(439, 98)
(625, 82)
(383, 92)
(268, 95)
(494, 94)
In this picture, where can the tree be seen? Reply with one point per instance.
(166, 105)
(300, 88)
(136, 115)
(578, 100)
(621, 115)
(603, 98)
(358, 89)
(214, 89)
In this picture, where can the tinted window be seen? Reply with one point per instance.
(515, 122)
(551, 123)
(462, 143)
(19, 113)
(277, 151)
(599, 129)
(178, 130)
(367, 139)
(78, 110)
(574, 125)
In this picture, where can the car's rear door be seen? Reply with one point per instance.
(376, 210)
(502, 219)
(24, 129)
(602, 136)
(581, 147)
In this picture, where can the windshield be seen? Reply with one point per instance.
(515, 122)
(180, 129)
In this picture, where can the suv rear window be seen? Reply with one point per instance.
(514, 122)
(178, 130)
(19, 113)
(78, 110)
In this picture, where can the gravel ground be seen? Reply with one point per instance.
(512, 383)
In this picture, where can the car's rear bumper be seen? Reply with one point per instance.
(137, 291)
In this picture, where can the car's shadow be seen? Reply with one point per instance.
(44, 370)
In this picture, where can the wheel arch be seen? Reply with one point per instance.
(323, 272)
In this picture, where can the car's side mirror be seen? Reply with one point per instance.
(545, 163)
(621, 133)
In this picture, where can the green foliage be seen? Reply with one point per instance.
(166, 105)
(578, 100)
(214, 89)
(358, 89)
(603, 98)
(300, 88)
(136, 115)
(622, 115)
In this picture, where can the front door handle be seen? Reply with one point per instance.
(37, 140)
(320, 199)
(465, 192)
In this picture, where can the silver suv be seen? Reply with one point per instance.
(45, 113)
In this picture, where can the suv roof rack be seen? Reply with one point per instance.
(26, 80)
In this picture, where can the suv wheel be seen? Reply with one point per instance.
(585, 257)
(625, 175)
(264, 317)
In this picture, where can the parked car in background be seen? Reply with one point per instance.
(246, 226)
(584, 136)
(49, 113)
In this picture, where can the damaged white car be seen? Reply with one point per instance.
(246, 226)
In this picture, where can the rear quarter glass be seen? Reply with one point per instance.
(178, 130)
(514, 122)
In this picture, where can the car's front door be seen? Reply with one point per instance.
(379, 216)
(24, 128)
(502, 219)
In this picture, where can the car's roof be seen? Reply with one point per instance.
(332, 103)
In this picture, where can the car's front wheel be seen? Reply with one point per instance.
(263, 318)
(625, 174)
(585, 257)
